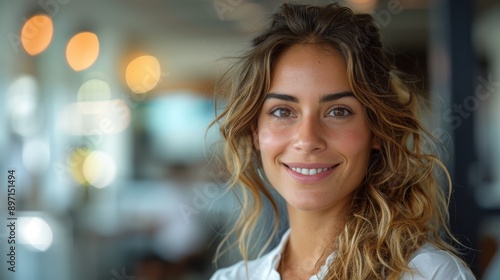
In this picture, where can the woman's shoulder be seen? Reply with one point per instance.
(429, 262)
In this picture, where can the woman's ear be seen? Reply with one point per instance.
(255, 138)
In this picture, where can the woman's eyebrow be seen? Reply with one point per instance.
(282, 96)
(335, 96)
(325, 98)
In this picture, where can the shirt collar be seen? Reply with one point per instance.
(277, 252)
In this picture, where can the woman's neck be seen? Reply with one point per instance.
(310, 243)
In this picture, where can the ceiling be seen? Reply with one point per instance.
(183, 32)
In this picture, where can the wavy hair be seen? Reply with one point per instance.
(400, 205)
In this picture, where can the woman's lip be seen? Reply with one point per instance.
(310, 165)
(311, 179)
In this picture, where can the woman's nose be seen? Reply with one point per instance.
(309, 137)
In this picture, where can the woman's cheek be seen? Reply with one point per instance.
(270, 137)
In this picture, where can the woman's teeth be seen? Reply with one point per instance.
(306, 171)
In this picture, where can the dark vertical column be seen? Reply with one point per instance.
(453, 42)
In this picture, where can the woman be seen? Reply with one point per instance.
(318, 108)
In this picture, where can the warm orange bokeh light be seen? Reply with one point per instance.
(82, 50)
(364, 5)
(36, 34)
(143, 73)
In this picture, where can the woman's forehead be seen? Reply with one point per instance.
(309, 69)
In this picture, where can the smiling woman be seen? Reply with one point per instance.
(319, 112)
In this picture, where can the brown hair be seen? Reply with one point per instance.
(399, 205)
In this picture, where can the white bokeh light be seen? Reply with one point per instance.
(22, 105)
(99, 169)
(94, 90)
(100, 117)
(36, 232)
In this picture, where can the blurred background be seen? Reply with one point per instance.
(104, 107)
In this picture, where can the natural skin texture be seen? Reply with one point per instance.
(310, 120)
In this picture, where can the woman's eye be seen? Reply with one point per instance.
(282, 113)
(339, 112)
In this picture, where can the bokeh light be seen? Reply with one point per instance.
(143, 73)
(363, 5)
(22, 104)
(75, 162)
(82, 50)
(99, 169)
(95, 117)
(93, 90)
(36, 232)
(36, 34)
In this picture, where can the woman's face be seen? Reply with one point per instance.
(312, 134)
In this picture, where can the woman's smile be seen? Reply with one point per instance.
(310, 173)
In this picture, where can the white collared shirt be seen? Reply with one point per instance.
(428, 262)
